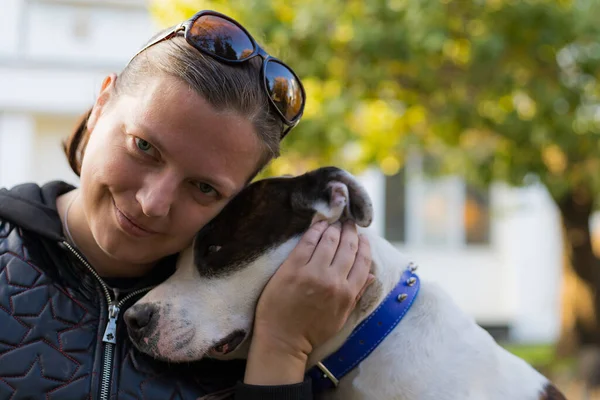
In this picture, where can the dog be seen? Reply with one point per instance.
(434, 352)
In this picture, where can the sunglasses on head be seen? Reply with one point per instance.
(223, 38)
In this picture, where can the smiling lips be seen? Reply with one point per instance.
(130, 226)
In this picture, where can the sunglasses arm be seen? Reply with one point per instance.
(165, 36)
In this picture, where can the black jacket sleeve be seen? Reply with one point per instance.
(298, 391)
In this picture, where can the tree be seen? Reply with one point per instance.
(496, 90)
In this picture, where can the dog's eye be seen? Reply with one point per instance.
(213, 248)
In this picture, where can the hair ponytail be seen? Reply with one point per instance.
(74, 146)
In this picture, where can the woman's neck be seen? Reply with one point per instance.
(77, 230)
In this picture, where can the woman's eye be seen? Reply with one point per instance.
(203, 192)
(206, 188)
(143, 145)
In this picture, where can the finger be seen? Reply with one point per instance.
(362, 265)
(347, 249)
(328, 245)
(305, 248)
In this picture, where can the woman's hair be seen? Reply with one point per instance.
(238, 88)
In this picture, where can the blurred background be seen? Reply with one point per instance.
(474, 126)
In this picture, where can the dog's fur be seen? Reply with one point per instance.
(206, 308)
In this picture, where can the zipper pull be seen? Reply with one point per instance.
(110, 334)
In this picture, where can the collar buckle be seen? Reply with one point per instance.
(327, 374)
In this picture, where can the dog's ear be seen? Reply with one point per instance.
(345, 189)
(334, 195)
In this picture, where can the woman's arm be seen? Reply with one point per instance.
(307, 302)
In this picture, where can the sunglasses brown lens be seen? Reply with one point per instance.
(284, 89)
(221, 37)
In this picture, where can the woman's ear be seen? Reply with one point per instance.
(106, 91)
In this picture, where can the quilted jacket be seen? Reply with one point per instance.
(54, 313)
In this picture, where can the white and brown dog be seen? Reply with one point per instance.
(436, 352)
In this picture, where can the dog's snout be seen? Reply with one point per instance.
(139, 318)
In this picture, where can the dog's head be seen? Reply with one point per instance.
(207, 306)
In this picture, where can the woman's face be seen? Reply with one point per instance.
(158, 166)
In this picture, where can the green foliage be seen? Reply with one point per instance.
(534, 354)
(496, 89)
(543, 357)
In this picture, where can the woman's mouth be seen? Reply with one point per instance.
(130, 226)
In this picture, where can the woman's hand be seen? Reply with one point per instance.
(307, 301)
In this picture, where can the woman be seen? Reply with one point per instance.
(187, 124)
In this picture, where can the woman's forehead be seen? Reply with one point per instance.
(191, 133)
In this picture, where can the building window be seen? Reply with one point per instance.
(477, 215)
(442, 211)
(434, 215)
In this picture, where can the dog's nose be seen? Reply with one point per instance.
(138, 319)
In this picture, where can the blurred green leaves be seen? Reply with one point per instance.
(495, 89)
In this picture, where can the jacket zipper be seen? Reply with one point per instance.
(110, 333)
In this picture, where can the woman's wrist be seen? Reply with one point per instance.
(274, 362)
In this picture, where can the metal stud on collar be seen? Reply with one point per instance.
(412, 267)
(411, 281)
(402, 297)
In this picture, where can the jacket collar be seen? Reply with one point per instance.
(33, 208)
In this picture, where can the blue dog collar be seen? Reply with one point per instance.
(369, 334)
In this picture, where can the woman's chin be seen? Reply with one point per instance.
(129, 252)
(124, 250)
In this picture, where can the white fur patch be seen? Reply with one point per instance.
(214, 307)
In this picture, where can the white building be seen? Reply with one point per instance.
(499, 257)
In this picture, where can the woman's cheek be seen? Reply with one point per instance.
(190, 218)
(122, 170)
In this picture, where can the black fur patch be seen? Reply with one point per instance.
(550, 392)
(262, 216)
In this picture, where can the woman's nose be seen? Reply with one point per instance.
(157, 195)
